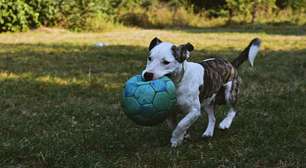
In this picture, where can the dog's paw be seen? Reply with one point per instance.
(175, 142)
(227, 121)
(208, 134)
(225, 124)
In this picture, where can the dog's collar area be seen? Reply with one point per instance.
(168, 75)
(181, 75)
(177, 78)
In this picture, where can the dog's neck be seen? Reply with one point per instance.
(178, 74)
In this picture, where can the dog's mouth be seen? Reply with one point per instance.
(168, 75)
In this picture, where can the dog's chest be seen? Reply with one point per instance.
(187, 92)
(184, 96)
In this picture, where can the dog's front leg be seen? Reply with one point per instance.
(180, 130)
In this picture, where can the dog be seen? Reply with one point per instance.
(212, 82)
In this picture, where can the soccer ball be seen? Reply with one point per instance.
(148, 103)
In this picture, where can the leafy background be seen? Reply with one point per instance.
(103, 15)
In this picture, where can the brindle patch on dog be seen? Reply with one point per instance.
(218, 72)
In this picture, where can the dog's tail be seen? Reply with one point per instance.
(248, 53)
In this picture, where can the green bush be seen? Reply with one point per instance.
(99, 23)
(17, 16)
(78, 15)
(159, 15)
(134, 18)
(20, 15)
(101, 15)
(46, 9)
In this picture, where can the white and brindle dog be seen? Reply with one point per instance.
(211, 82)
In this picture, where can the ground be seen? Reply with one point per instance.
(60, 100)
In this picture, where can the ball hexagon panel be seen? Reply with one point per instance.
(144, 94)
(148, 102)
(130, 89)
(161, 101)
(131, 105)
(147, 110)
(159, 85)
(171, 89)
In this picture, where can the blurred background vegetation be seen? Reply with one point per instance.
(103, 15)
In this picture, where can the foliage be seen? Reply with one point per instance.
(249, 8)
(294, 4)
(238, 6)
(213, 8)
(159, 15)
(46, 9)
(17, 16)
(98, 15)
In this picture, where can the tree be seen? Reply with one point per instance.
(254, 10)
(236, 7)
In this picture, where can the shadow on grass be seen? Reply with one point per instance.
(60, 107)
(43, 123)
(59, 101)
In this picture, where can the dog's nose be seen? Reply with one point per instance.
(148, 76)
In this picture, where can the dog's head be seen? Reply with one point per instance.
(164, 58)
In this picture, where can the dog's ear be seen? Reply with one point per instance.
(154, 43)
(182, 52)
(188, 47)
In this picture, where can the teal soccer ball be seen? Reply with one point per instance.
(148, 103)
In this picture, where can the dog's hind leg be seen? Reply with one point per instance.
(231, 92)
(227, 121)
(209, 107)
(209, 132)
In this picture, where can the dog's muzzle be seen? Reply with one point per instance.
(148, 76)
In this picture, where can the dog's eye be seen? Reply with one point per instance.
(149, 58)
(166, 62)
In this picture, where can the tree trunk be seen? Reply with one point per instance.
(254, 11)
(230, 16)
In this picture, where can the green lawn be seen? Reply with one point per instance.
(60, 101)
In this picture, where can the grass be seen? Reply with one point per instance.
(60, 101)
